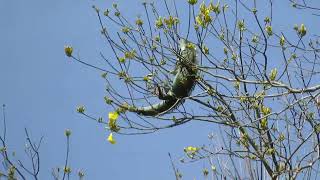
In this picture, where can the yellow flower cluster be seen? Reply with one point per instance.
(265, 110)
(68, 50)
(125, 30)
(159, 23)
(171, 21)
(191, 151)
(273, 74)
(269, 31)
(81, 109)
(111, 139)
(139, 22)
(241, 25)
(244, 139)
(264, 121)
(204, 18)
(192, 2)
(302, 31)
(130, 54)
(67, 132)
(282, 40)
(67, 170)
(191, 46)
(122, 59)
(205, 49)
(147, 78)
(113, 116)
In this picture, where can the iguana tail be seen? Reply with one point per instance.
(156, 109)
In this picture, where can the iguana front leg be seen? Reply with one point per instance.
(162, 93)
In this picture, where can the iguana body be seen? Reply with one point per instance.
(183, 83)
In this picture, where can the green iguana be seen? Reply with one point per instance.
(183, 83)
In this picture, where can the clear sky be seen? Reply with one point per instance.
(42, 88)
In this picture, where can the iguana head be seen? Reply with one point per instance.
(188, 50)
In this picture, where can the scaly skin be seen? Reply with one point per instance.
(183, 83)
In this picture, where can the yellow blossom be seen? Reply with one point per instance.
(269, 30)
(159, 23)
(111, 139)
(281, 137)
(67, 132)
(139, 22)
(270, 151)
(302, 31)
(113, 116)
(282, 40)
(213, 168)
(205, 172)
(108, 100)
(255, 39)
(125, 30)
(67, 170)
(202, 7)
(205, 50)
(192, 2)
(68, 50)
(130, 54)
(146, 78)
(204, 18)
(81, 109)
(106, 12)
(241, 25)
(122, 59)
(273, 74)
(191, 149)
(265, 110)
(171, 21)
(199, 20)
(264, 123)
(215, 8)
(191, 46)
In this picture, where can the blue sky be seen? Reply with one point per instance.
(42, 88)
